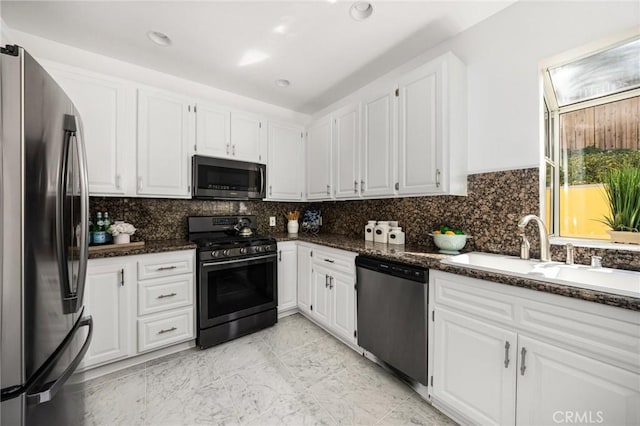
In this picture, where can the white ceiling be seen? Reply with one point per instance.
(321, 49)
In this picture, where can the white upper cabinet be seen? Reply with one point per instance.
(246, 132)
(432, 129)
(163, 144)
(346, 158)
(107, 110)
(319, 137)
(378, 145)
(213, 130)
(284, 172)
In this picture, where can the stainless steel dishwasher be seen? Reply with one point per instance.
(392, 314)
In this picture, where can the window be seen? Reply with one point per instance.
(592, 125)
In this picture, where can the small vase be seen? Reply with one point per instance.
(293, 226)
(122, 239)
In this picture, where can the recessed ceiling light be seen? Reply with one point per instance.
(361, 10)
(280, 29)
(282, 83)
(161, 39)
(252, 57)
(332, 1)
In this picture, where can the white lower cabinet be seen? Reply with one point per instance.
(506, 355)
(320, 295)
(287, 275)
(132, 313)
(561, 386)
(108, 299)
(343, 302)
(304, 278)
(468, 372)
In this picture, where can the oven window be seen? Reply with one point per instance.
(228, 179)
(234, 289)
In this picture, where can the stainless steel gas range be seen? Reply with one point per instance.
(237, 278)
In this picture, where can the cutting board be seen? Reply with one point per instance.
(137, 244)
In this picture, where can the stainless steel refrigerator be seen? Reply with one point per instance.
(44, 216)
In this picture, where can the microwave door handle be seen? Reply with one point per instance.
(262, 188)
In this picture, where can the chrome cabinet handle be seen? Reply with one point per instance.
(280, 255)
(228, 145)
(397, 186)
(270, 190)
(168, 330)
(507, 345)
(122, 277)
(233, 149)
(437, 178)
(523, 367)
(162, 296)
(328, 190)
(329, 260)
(326, 281)
(361, 186)
(166, 268)
(355, 186)
(330, 283)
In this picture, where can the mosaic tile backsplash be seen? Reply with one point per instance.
(489, 213)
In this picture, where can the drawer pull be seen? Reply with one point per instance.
(523, 367)
(329, 260)
(162, 296)
(168, 330)
(166, 268)
(507, 345)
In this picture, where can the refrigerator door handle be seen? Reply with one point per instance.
(52, 388)
(84, 218)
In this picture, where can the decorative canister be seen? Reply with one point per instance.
(122, 239)
(293, 226)
(368, 230)
(381, 232)
(396, 236)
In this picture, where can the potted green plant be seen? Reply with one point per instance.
(622, 191)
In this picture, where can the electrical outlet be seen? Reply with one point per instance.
(272, 221)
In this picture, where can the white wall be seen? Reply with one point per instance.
(503, 55)
(44, 49)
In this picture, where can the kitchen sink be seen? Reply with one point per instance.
(615, 281)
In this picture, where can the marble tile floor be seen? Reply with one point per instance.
(291, 374)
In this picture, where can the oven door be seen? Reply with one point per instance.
(233, 289)
(221, 179)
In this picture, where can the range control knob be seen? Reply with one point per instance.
(258, 249)
(243, 251)
(225, 253)
(215, 253)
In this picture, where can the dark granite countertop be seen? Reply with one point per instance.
(420, 256)
(157, 246)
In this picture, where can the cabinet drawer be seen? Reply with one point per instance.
(162, 294)
(335, 261)
(165, 265)
(165, 329)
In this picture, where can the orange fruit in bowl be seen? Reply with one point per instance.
(450, 233)
(437, 232)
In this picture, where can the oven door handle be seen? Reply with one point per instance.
(246, 259)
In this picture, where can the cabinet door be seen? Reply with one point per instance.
(343, 312)
(319, 161)
(378, 147)
(305, 299)
(213, 132)
(284, 173)
(321, 295)
(107, 111)
(163, 141)
(347, 152)
(558, 386)
(287, 276)
(420, 135)
(245, 137)
(474, 368)
(107, 300)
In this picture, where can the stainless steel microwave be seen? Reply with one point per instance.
(221, 179)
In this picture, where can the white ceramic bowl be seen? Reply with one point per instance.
(449, 243)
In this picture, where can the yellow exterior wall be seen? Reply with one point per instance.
(581, 206)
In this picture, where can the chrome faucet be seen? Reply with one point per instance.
(545, 247)
(570, 254)
(596, 261)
